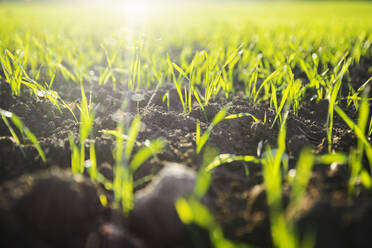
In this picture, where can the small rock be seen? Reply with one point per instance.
(53, 207)
(154, 216)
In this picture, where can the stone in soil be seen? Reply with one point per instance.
(48, 209)
(154, 216)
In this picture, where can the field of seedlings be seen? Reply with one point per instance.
(186, 125)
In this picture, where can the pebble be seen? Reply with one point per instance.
(154, 215)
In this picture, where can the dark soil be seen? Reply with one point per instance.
(42, 206)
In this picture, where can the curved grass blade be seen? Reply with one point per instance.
(234, 116)
(23, 129)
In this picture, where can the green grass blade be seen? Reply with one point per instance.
(132, 136)
(203, 139)
(229, 158)
(4, 115)
(234, 116)
(145, 153)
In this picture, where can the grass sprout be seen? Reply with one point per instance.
(332, 97)
(201, 140)
(356, 155)
(5, 115)
(241, 115)
(86, 123)
(191, 210)
(126, 163)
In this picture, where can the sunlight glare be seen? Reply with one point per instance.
(136, 11)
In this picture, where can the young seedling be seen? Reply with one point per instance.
(332, 98)
(13, 71)
(86, 124)
(5, 115)
(166, 99)
(282, 233)
(191, 210)
(177, 84)
(126, 163)
(356, 155)
(201, 140)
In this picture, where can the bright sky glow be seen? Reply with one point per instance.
(136, 11)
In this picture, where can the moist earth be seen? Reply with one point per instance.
(44, 205)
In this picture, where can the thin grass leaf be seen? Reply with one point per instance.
(353, 127)
(132, 136)
(270, 77)
(178, 87)
(203, 139)
(145, 153)
(4, 115)
(234, 116)
(204, 177)
(197, 137)
(93, 172)
(23, 130)
(303, 173)
(330, 158)
(229, 158)
(75, 154)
